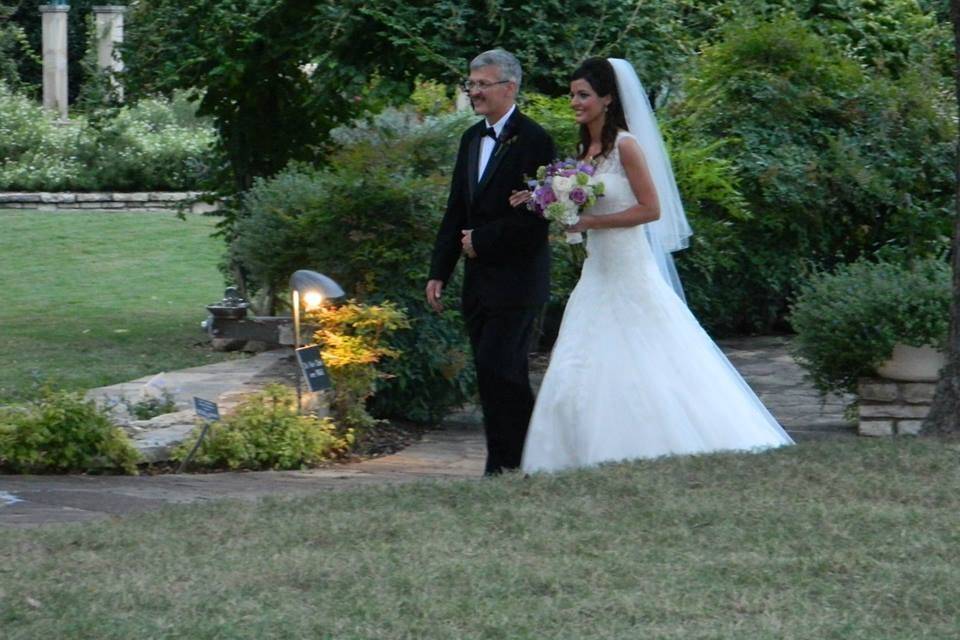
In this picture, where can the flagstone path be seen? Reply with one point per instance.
(454, 450)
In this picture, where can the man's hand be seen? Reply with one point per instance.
(467, 242)
(434, 291)
(518, 198)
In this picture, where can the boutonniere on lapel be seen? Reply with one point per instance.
(507, 139)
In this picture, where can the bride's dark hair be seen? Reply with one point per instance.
(599, 74)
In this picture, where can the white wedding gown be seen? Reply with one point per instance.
(632, 373)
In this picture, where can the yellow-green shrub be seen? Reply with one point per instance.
(353, 339)
(62, 432)
(266, 432)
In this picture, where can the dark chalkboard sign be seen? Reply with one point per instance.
(313, 370)
(206, 410)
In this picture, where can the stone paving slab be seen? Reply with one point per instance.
(452, 453)
(218, 382)
(456, 450)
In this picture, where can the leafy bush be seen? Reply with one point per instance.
(890, 36)
(353, 341)
(62, 432)
(833, 164)
(266, 432)
(35, 152)
(152, 145)
(14, 49)
(435, 370)
(556, 116)
(848, 321)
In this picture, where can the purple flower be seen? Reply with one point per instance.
(544, 197)
(587, 168)
(579, 196)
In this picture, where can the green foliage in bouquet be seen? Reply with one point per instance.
(848, 321)
(353, 339)
(832, 162)
(266, 432)
(61, 432)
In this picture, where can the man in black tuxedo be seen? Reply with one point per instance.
(507, 272)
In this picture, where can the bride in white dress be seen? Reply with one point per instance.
(632, 373)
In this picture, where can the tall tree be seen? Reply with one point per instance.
(945, 414)
(248, 59)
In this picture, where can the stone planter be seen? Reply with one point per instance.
(914, 364)
(893, 407)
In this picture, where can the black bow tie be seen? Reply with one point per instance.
(490, 131)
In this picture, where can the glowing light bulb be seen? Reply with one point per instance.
(312, 300)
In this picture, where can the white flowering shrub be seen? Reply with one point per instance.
(155, 144)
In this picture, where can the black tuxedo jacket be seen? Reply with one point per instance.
(512, 267)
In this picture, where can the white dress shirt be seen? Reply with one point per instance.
(487, 143)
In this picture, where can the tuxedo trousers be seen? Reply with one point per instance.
(500, 339)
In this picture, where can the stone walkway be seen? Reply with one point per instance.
(455, 450)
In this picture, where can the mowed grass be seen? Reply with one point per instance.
(91, 299)
(845, 540)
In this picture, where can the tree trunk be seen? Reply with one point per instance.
(945, 414)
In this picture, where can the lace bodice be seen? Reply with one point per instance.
(611, 164)
(618, 194)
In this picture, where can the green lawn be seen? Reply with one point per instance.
(843, 540)
(91, 299)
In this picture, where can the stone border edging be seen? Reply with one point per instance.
(132, 201)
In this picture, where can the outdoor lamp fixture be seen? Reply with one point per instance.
(313, 288)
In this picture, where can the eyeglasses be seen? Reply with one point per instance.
(480, 85)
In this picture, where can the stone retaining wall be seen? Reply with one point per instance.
(889, 407)
(102, 201)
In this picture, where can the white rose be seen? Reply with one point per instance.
(562, 186)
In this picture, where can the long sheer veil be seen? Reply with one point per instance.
(672, 231)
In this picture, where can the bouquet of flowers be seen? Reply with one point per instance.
(562, 191)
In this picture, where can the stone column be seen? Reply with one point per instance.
(109, 27)
(55, 57)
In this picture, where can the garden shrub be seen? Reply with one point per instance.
(353, 340)
(847, 321)
(155, 144)
(713, 200)
(265, 431)
(14, 49)
(35, 152)
(61, 432)
(833, 163)
(434, 372)
(890, 36)
(556, 116)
